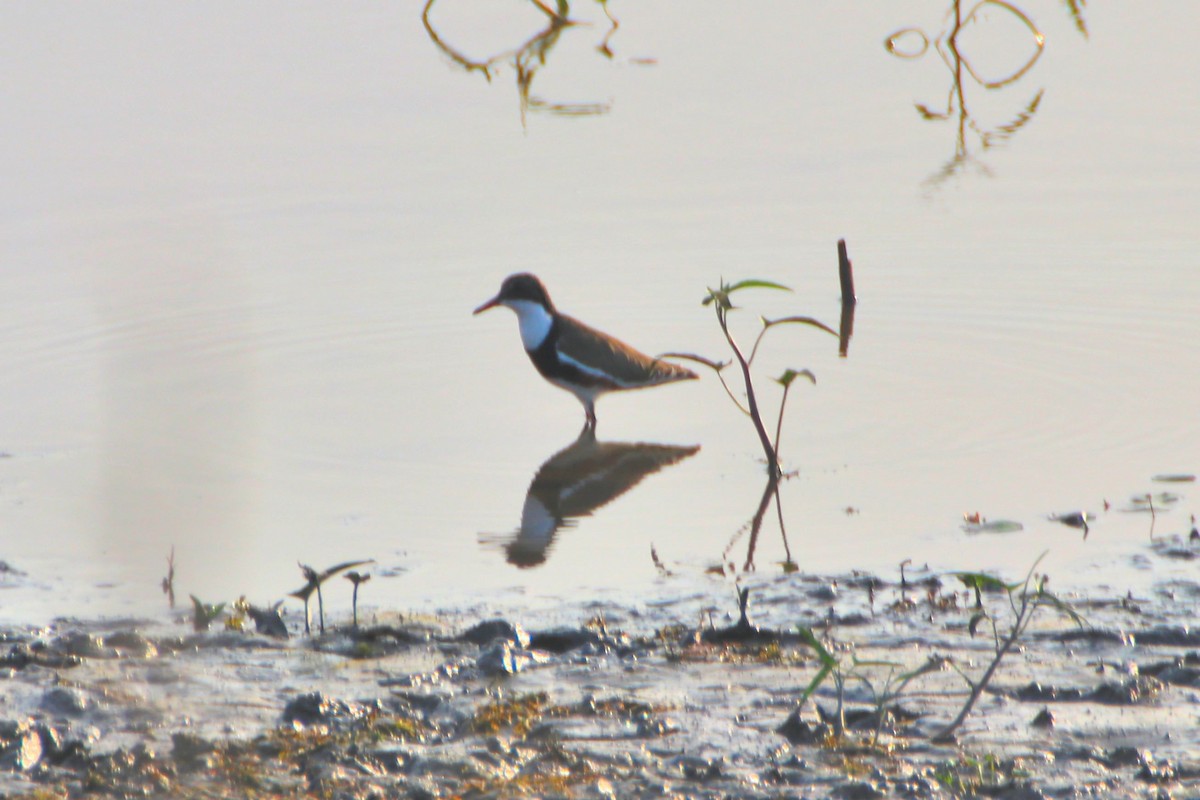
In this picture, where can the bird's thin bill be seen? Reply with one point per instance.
(495, 301)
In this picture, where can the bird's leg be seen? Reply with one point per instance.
(590, 409)
(321, 608)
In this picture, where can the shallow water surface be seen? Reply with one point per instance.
(240, 252)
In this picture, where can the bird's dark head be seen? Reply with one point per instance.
(517, 288)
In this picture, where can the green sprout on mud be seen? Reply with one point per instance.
(968, 775)
(884, 697)
(1025, 597)
(204, 613)
(721, 301)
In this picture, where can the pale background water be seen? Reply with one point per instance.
(240, 245)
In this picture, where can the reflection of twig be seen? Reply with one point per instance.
(1075, 9)
(1153, 514)
(528, 58)
(603, 46)
(959, 65)
(485, 66)
(168, 583)
(960, 23)
(754, 526)
(1008, 129)
(788, 564)
(772, 488)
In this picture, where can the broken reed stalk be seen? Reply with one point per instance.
(846, 275)
(849, 299)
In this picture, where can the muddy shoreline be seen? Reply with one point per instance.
(678, 699)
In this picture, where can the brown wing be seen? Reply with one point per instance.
(594, 350)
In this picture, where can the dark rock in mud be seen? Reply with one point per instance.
(564, 640)
(137, 772)
(1044, 719)
(268, 621)
(315, 708)
(1139, 689)
(62, 701)
(1093, 636)
(799, 731)
(1125, 756)
(21, 745)
(491, 630)
(27, 654)
(502, 658)
(392, 634)
(392, 758)
(1019, 791)
(825, 593)
(130, 644)
(1180, 672)
(1173, 636)
(192, 752)
(83, 645)
(1157, 772)
(858, 790)
(695, 768)
(1037, 693)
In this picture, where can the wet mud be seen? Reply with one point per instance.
(681, 699)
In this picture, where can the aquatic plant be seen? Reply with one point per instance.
(204, 613)
(357, 579)
(1025, 597)
(313, 581)
(884, 697)
(721, 299)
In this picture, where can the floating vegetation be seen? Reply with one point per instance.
(992, 526)
(1174, 477)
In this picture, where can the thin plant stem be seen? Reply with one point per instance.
(732, 396)
(779, 422)
(757, 339)
(787, 550)
(751, 402)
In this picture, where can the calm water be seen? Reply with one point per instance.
(239, 252)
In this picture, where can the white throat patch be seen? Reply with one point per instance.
(535, 322)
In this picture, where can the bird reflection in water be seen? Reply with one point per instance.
(573, 483)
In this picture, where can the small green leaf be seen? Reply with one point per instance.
(816, 682)
(755, 284)
(981, 581)
(790, 375)
(204, 613)
(856, 662)
(993, 526)
(1046, 598)
(812, 641)
(799, 321)
(1174, 478)
(976, 618)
